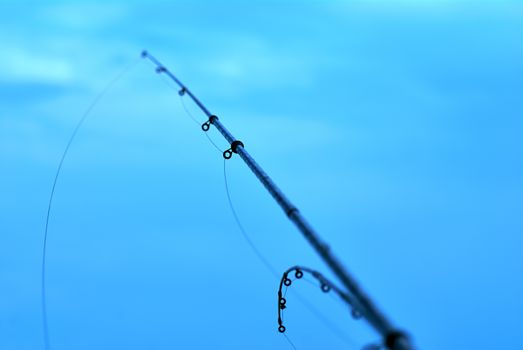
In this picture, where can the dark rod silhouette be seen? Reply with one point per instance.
(393, 338)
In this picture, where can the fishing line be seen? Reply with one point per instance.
(290, 342)
(199, 123)
(309, 281)
(260, 256)
(181, 94)
(188, 112)
(326, 322)
(87, 112)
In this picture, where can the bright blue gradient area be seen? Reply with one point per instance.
(396, 128)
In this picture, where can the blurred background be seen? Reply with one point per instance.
(395, 127)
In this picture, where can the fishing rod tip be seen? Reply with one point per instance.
(144, 53)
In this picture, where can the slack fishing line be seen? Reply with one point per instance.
(78, 125)
(393, 338)
(43, 291)
(247, 238)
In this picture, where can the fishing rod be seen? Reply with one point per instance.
(393, 338)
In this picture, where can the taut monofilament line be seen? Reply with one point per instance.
(392, 338)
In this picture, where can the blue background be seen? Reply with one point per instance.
(395, 126)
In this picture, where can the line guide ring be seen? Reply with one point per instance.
(207, 125)
(234, 146)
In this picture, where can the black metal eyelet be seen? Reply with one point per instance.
(206, 126)
(227, 154)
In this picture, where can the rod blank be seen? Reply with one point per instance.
(393, 339)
